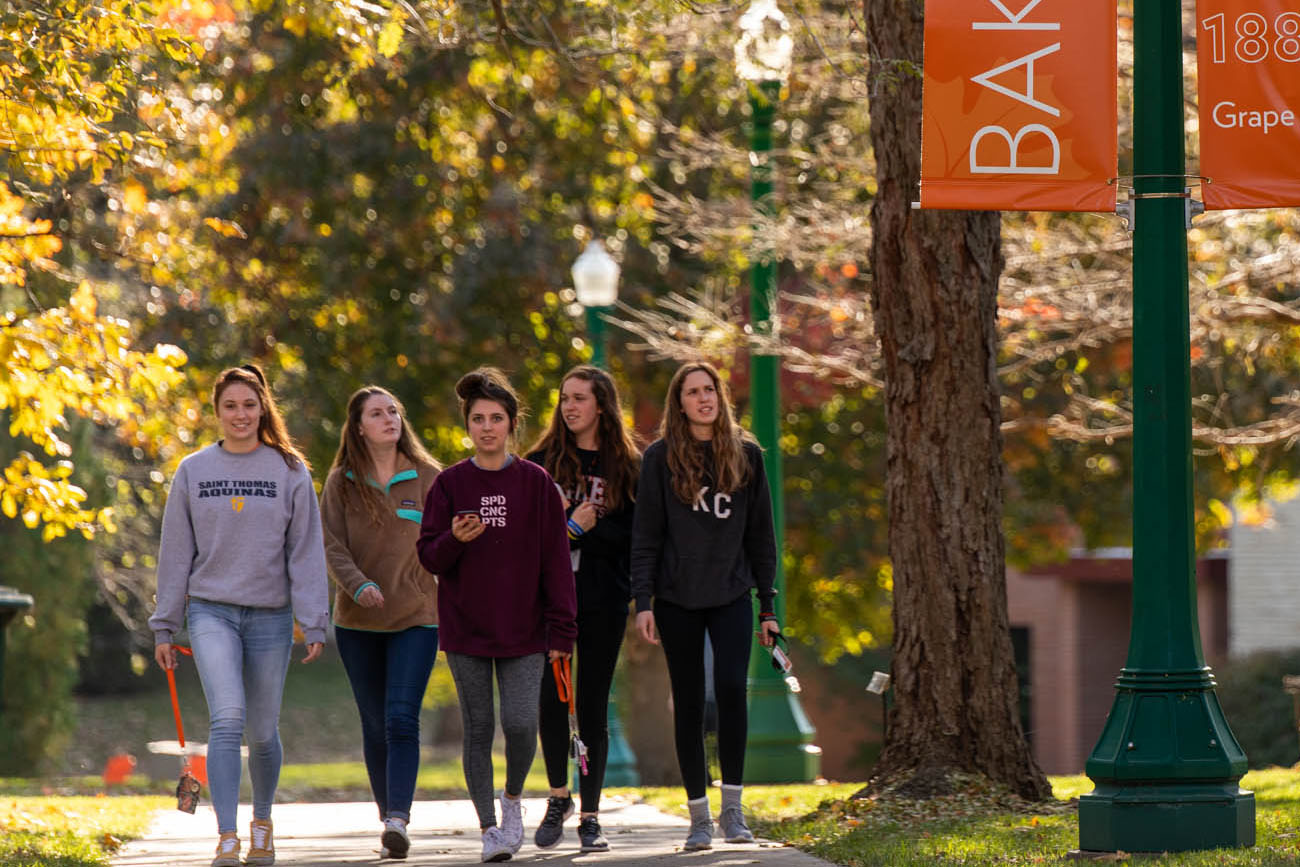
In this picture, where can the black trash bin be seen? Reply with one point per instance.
(11, 602)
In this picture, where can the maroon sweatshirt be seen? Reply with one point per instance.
(509, 592)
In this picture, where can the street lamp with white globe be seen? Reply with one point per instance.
(595, 280)
(780, 747)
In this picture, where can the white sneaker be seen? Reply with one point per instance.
(395, 841)
(512, 822)
(495, 847)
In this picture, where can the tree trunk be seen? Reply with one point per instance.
(934, 295)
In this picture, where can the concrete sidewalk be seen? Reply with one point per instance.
(442, 832)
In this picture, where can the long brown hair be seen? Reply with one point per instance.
(271, 429)
(354, 460)
(690, 466)
(620, 459)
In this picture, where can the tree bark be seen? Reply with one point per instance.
(934, 295)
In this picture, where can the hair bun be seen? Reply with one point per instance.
(256, 371)
(472, 384)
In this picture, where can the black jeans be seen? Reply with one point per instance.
(600, 636)
(730, 629)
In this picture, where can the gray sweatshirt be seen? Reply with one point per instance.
(243, 529)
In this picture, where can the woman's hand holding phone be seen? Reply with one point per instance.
(467, 526)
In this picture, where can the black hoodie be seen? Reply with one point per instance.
(706, 553)
(601, 553)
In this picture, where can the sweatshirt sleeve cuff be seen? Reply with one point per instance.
(314, 636)
(642, 604)
(162, 636)
(362, 588)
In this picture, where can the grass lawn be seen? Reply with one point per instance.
(982, 828)
(43, 831)
(440, 778)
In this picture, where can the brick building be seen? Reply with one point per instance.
(1070, 627)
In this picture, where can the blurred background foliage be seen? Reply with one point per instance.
(394, 192)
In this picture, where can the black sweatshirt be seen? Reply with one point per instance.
(602, 554)
(706, 553)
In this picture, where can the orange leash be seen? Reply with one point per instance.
(187, 787)
(176, 705)
(561, 666)
(564, 682)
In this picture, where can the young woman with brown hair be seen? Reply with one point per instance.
(241, 556)
(702, 544)
(592, 457)
(386, 624)
(494, 534)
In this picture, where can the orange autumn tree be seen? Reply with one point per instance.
(85, 101)
(82, 96)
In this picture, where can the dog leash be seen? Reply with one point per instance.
(187, 786)
(564, 686)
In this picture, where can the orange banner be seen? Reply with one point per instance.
(1019, 108)
(1248, 59)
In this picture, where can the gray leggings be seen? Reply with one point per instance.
(519, 681)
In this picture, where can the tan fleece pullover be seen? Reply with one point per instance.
(362, 553)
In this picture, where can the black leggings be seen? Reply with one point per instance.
(600, 635)
(730, 628)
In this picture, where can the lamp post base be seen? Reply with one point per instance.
(1167, 768)
(779, 748)
(620, 763)
(1174, 817)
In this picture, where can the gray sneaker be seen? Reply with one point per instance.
(495, 846)
(731, 822)
(512, 822)
(701, 836)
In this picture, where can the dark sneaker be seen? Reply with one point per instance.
(589, 836)
(551, 831)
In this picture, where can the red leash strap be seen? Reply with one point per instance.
(563, 681)
(176, 705)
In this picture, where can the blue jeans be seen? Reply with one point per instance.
(242, 655)
(389, 672)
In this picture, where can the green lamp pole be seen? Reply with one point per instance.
(595, 281)
(596, 334)
(11, 602)
(780, 748)
(1167, 765)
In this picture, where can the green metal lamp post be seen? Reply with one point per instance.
(1167, 765)
(11, 602)
(595, 281)
(780, 747)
